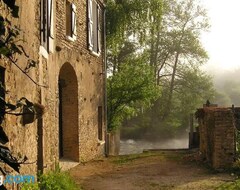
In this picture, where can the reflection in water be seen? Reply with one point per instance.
(136, 146)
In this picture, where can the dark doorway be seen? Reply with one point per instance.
(68, 114)
(60, 85)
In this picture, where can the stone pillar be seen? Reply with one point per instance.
(217, 136)
(113, 143)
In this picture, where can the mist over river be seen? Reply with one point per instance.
(131, 146)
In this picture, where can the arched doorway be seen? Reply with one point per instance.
(68, 113)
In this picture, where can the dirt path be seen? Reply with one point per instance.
(148, 171)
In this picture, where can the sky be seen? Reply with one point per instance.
(223, 41)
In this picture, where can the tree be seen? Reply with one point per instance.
(131, 84)
(180, 46)
(169, 43)
(130, 91)
(129, 22)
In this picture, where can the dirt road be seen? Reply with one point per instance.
(147, 171)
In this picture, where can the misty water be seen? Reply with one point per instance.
(131, 146)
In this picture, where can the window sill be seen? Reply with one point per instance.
(94, 53)
(71, 39)
(100, 143)
(43, 52)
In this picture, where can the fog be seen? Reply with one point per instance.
(227, 85)
(131, 146)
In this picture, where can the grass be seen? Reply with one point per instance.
(124, 159)
(230, 186)
(234, 170)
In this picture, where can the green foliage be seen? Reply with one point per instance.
(191, 91)
(30, 186)
(125, 18)
(131, 85)
(168, 42)
(230, 186)
(129, 91)
(53, 180)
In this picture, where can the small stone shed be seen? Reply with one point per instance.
(217, 131)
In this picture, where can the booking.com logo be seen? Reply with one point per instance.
(10, 179)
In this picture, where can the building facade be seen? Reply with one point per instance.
(66, 39)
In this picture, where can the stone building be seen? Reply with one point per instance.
(66, 39)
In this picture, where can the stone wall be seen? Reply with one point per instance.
(217, 135)
(22, 138)
(39, 141)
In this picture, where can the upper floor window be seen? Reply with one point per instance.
(47, 24)
(71, 21)
(94, 26)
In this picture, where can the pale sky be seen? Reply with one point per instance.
(223, 40)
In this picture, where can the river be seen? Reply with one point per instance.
(131, 146)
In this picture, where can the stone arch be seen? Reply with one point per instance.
(68, 113)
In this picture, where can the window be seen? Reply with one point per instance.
(94, 26)
(71, 21)
(100, 120)
(47, 24)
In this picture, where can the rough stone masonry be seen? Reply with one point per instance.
(217, 133)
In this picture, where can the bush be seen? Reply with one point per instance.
(53, 180)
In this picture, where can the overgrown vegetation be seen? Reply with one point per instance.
(53, 180)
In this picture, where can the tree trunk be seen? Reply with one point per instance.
(171, 88)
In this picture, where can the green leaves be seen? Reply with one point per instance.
(152, 46)
(126, 18)
(129, 91)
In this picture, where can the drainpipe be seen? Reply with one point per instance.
(105, 79)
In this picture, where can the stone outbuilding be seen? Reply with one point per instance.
(66, 39)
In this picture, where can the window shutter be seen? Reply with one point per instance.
(74, 29)
(90, 25)
(44, 24)
(50, 17)
(99, 29)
